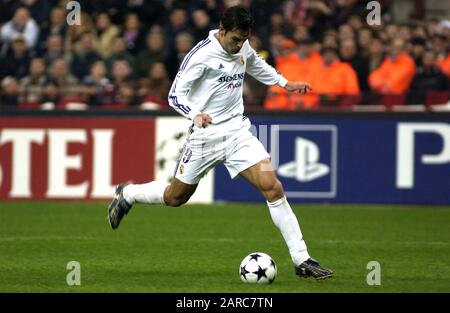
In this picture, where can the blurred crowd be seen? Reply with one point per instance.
(125, 53)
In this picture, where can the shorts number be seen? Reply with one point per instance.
(187, 155)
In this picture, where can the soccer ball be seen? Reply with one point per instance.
(258, 268)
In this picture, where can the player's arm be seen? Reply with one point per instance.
(300, 87)
(188, 74)
(266, 74)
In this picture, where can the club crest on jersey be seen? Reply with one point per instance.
(242, 60)
(181, 168)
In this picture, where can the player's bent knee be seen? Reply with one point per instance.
(176, 201)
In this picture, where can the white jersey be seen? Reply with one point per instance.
(210, 80)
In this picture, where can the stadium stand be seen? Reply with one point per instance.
(125, 53)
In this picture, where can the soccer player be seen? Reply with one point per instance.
(208, 90)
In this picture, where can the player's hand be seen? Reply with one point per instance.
(202, 120)
(300, 87)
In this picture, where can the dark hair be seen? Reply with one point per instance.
(236, 17)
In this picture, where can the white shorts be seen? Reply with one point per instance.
(230, 143)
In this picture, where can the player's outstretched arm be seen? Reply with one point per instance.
(300, 87)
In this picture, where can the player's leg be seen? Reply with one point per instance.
(156, 192)
(263, 177)
(193, 164)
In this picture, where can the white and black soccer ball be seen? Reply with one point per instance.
(258, 268)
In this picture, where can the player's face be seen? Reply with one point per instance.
(232, 41)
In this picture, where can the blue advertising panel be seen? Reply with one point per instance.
(347, 159)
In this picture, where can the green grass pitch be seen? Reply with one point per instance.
(198, 248)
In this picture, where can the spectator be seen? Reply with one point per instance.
(32, 85)
(154, 52)
(261, 11)
(330, 39)
(119, 52)
(391, 30)
(177, 23)
(444, 64)
(300, 32)
(106, 34)
(274, 43)
(315, 14)
(346, 32)
(17, 61)
(376, 54)
(365, 36)
(9, 94)
(132, 33)
(51, 94)
(418, 45)
(126, 95)
(428, 78)
(74, 32)
(349, 54)
(355, 22)
(183, 44)
(419, 31)
(114, 8)
(39, 9)
(302, 65)
(395, 74)
(431, 26)
(286, 50)
(308, 53)
(336, 24)
(201, 25)
(97, 88)
(214, 9)
(60, 84)
(405, 33)
(54, 49)
(56, 26)
(149, 12)
(84, 56)
(443, 28)
(155, 88)
(21, 24)
(257, 44)
(336, 80)
(276, 26)
(439, 43)
(344, 9)
(122, 73)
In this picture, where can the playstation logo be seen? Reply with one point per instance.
(305, 158)
(306, 166)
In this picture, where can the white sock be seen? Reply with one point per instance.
(150, 193)
(287, 223)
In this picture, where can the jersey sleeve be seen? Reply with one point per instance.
(260, 70)
(190, 71)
